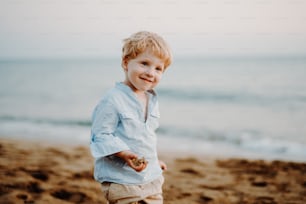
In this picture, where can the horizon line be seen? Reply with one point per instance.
(179, 57)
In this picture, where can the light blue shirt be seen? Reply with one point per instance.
(118, 123)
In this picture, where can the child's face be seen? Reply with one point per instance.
(143, 72)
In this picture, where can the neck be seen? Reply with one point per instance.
(143, 99)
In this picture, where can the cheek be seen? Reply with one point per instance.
(158, 77)
(132, 72)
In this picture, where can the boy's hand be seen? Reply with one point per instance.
(162, 165)
(132, 160)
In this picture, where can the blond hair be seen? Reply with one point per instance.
(138, 42)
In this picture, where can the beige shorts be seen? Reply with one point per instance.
(150, 193)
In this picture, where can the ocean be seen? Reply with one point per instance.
(237, 107)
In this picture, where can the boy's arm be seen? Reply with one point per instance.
(104, 142)
(104, 124)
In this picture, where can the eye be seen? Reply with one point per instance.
(144, 63)
(159, 69)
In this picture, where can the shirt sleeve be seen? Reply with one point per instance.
(103, 139)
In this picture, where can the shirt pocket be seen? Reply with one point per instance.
(130, 123)
(153, 120)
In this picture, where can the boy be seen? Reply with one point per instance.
(123, 140)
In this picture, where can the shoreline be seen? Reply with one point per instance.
(40, 172)
(184, 148)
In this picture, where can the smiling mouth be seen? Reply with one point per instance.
(147, 80)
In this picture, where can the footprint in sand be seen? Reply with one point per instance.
(259, 183)
(38, 174)
(191, 171)
(205, 198)
(265, 199)
(75, 197)
(34, 187)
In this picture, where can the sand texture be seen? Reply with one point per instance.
(32, 172)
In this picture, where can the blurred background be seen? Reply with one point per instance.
(236, 87)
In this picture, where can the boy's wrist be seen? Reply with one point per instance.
(124, 154)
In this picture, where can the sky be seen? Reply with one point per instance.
(96, 28)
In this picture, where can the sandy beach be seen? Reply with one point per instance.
(36, 172)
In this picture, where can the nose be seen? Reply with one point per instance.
(150, 71)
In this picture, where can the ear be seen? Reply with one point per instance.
(124, 63)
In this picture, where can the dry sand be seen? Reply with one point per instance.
(32, 172)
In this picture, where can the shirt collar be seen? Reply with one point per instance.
(127, 89)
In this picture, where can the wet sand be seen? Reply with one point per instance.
(33, 172)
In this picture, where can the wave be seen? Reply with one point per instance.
(251, 140)
(68, 122)
(230, 97)
(246, 139)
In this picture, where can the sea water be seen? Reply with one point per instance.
(246, 107)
